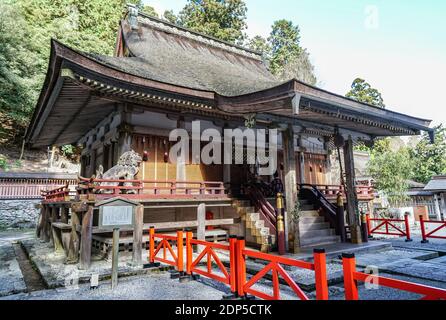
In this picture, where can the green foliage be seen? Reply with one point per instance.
(148, 10)
(20, 65)
(391, 170)
(170, 16)
(3, 164)
(300, 68)
(68, 150)
(287, 59)
(222, 19)
(430, 158)
(26, 27)
(284, 40)
(261, 45)
(362, 91)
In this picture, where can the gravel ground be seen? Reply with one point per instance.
(147, 287)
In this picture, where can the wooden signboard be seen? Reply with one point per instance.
(115, 214)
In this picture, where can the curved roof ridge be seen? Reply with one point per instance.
(198, 36)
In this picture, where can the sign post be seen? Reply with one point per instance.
(115, 257)
(116, 214)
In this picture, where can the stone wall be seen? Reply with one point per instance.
(19, 213)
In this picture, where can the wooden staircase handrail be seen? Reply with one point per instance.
(265, 209)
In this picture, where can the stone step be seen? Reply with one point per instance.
(306, 207)
(255, 224)
(241, 203)
(260, 232)
(245, 209)
(309, 213)
(311, 220)
(314, 241)
(317, 233)
(252, 216)
(304, 201)
(313, 226)
(262, 240)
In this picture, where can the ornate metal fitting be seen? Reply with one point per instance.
(339, 200)
(279, 202)
(280, 224)
(250, 121)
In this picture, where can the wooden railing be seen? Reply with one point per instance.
(149, 189)
(331, 191)
(31, 185)
(265, 209)
(60, 194)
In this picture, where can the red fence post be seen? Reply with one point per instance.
(406, 223)
(152, 245)
(189, 236)
(350, 285)
(233, 263)
(180, 262)
(241, 266)
(423, 231)
(320, 272)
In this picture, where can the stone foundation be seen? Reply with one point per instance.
(18, 213)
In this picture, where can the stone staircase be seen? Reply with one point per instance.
(256, 233)
(314, 230)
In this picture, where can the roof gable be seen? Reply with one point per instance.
(175, 55)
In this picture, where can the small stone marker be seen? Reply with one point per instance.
(94, 281)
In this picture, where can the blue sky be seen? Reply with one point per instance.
(398, 46)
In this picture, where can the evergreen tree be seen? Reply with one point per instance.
(222, 19)
(362, 91)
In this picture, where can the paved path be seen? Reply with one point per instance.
(384, 293)
(438, 245)
(11, 278)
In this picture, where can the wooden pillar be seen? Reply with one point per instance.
(226, 167)
(53, 218)
(45, 233)
(85, 253)
(290, 185)
(73, 251)
(352, 199)
(437, 207)
(201, 220)
(327, 174)
(443, 204)
(137, 236)
(64, 214)
(39, 228)
(301, 160)
(181, 161)
(125, 132)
